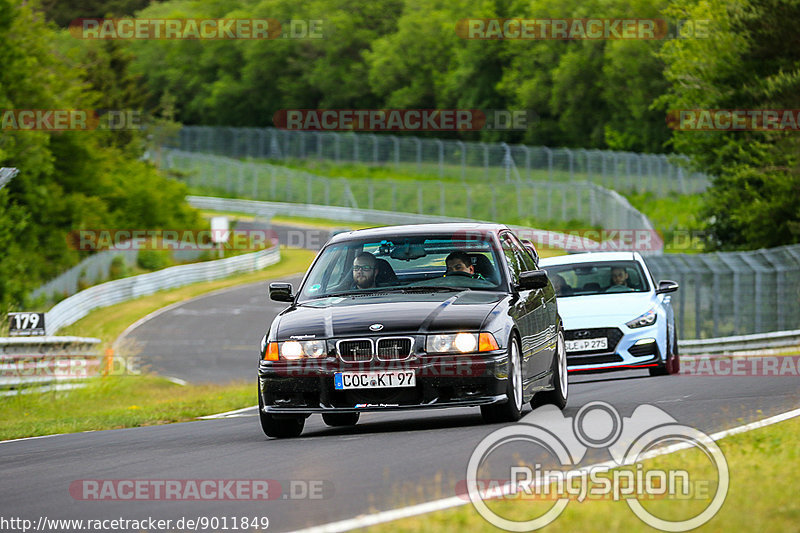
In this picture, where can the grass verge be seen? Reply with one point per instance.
(764, 466)
(109, 322)
(117, 402)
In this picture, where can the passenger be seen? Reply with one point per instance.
(560, 285)
(459, 262)
(364, 271)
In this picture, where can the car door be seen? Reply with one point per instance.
(543, 313)
(523, 309)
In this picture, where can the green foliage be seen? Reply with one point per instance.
(73, 179)
(118, 269)
(153, 259)
(750, 61)
(407, 54)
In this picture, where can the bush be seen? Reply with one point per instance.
(119, 268)
(153, 259)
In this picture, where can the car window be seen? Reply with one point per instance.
(402, 263)
(512, 256)
(606, 277)
(526, 259)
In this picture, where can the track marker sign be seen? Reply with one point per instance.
(25, 324)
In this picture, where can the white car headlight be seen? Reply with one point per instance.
(647, 319)
(300, 349)
(461, 343)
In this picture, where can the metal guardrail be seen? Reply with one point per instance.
(740, 343)
(26, 361)
(75, 307)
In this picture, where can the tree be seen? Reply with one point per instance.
(750, 61)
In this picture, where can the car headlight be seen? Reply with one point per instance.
(460, 343)
(647, 319)
(291, 350)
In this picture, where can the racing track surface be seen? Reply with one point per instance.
(386, 461)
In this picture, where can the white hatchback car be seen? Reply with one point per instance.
(616, 317)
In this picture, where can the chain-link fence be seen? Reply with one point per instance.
(579, 201)
(449, 159)
(733, 293)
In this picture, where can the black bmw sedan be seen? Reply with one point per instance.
(413, 317)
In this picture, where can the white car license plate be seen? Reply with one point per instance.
(374, 380)
(582, 345)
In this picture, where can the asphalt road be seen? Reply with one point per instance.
(385, 462)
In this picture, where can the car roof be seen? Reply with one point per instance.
(590, 257)
(416, 229)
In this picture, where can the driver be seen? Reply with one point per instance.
(619, 278)
(364, 271)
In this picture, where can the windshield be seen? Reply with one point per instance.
(411, 263)
(605, 277)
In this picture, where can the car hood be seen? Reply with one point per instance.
(603, 310)
(398, 313)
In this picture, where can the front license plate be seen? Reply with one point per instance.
(582, 345)
(374, 380)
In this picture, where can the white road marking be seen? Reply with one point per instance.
(229, 414)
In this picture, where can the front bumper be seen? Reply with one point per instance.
(441, 382)
(624, 354)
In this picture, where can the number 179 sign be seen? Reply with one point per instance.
(25, 324)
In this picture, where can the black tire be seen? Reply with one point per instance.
(279, 428)
(511, 409)
(560, 393)
(673, 363)
(340, 419)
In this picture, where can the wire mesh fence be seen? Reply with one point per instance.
(451, 159)
(733, 293)
(579, 201)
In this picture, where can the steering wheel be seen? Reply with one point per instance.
(460, 273)
(619, 288)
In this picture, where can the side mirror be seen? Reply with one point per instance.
(533, 279)
(667, 285)
(281, 292)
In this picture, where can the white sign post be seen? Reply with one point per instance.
(220, 232)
